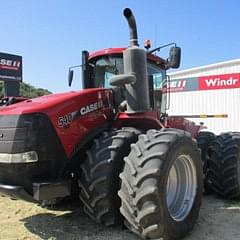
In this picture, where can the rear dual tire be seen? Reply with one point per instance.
(205, 142)
(223, 174)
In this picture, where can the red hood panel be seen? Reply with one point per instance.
(73, 115)
(45, 103)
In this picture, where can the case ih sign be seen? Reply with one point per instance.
(10, 67)
(214, 82)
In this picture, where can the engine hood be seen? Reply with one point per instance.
(53, 101)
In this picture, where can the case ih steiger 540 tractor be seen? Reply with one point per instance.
(130, 161)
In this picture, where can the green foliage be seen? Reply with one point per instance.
(26, 90)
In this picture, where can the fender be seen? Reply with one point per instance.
(88, 138)
(184, 124)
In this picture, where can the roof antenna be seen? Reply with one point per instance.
(155, 36)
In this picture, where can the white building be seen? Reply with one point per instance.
(208, 90)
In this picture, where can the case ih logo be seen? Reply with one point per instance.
(185, 84)
(68, 118)
(9, 64)
(177, 85)
(220, 81)
(10, 67)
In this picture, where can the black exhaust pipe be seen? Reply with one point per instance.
(135, 63)
(132, 26)
(135, 76)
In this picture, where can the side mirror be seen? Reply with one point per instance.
(174, 57)
(122, 79)
(70, 77)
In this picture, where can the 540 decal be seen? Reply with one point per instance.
(65, 120)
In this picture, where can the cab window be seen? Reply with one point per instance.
(108, 66)
(105, 68)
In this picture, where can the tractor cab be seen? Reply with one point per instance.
(104, 67)
(100, 66)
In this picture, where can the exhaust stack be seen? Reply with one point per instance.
(135, 78)
(135, 63)
(132, 26)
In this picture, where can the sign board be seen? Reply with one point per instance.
(214, 82)
(182, 85)
(223, 81)
(10, 67)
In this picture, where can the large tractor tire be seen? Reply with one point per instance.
(99, 181)
(213, 180)
(161, 187)
(230, 165)
(205, 141)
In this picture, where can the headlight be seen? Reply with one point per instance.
(26, 157)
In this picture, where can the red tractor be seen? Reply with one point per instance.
(112, 141)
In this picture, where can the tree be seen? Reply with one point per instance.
(29, 91)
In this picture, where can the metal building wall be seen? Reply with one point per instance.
(232, 66)
(224, 101)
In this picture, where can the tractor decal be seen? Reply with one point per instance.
(70, 117)
(91, 108)
(65, 120)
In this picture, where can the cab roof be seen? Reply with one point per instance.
(115, 51)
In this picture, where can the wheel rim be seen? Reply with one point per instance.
(181, 187)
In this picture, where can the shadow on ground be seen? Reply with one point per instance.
(73, 225)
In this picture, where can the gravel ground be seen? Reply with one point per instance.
(20, 220)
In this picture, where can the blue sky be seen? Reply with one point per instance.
(50, 34)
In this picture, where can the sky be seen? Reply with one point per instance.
(50, 34)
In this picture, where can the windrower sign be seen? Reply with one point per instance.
(223, 81)
(10, 67)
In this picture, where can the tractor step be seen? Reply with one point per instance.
(41, 191)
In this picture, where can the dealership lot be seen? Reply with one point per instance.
(20, 220)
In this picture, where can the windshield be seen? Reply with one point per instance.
(107, 66)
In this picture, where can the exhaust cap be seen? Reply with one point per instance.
(127, 12)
